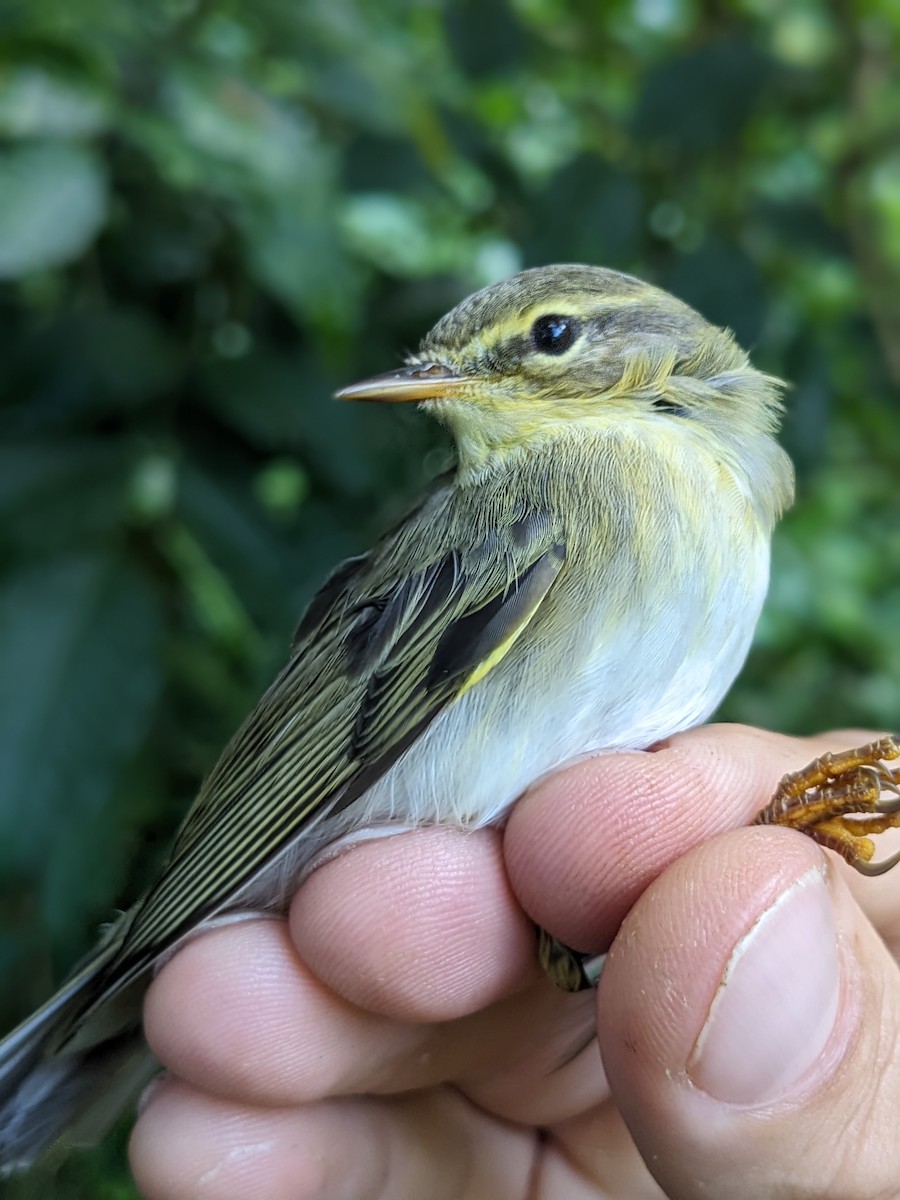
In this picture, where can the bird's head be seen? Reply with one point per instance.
(563, 347)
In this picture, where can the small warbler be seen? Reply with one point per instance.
(587, 578)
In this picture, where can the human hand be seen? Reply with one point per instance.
(395, 1039)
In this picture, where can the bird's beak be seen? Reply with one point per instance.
(425, 381)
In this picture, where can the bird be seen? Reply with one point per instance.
(586, 577)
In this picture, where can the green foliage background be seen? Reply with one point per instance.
(212, 214)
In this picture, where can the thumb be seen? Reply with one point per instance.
(750, 1015)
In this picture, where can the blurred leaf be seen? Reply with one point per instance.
(261, 395)
(54, 496)
(69, 372)
(79, 679)
(36, 103)
(884, 190)
(415, 238)
(230, 534)
(280, 402)
(714, 88)
(53, 203)
(126, 356)
(281, 487)
(501, 41)
(724, 285)
(393, 232)
(294, 252)
(601, 209)
(228, 121)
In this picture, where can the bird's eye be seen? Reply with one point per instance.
(554, 334)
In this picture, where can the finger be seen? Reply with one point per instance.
(239, 1014)
(187, 1144)
(751, 1015)
(422, 927)
(585, 843)
(426, 913)
(593, 1157)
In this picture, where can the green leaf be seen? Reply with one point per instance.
(35, 102)
(230, 556)
(723, 284)
(284, 402)
(53, 496)
(698, 101)
(226, 120)
(53, 203)
(80, 676)
(84, 365)
(294, 252)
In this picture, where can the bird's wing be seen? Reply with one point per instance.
(376, 658)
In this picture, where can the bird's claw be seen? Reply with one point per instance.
(841, 801)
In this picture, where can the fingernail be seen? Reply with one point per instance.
(776, 1005)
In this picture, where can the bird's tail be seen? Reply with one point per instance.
(70, 1067)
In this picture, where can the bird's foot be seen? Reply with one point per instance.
(567, 968)
(842, 801)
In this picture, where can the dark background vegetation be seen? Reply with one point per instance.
(212, 214)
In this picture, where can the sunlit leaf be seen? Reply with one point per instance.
(53, 203)
(35, 102)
